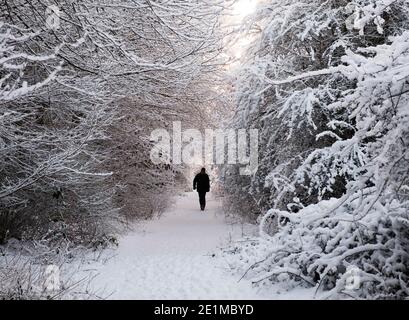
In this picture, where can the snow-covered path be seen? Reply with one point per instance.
(172, 258)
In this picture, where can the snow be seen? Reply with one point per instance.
(171, 258)
(178, 256)
(183, 255)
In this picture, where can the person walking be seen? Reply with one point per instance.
(201, 183)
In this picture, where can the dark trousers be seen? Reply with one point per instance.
(202, 199)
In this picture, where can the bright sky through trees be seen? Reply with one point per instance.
(240, 10)
(244, 7)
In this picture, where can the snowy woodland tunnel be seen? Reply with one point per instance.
(297, 109)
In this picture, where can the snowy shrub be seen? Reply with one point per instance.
(34, 272)
(327, 85)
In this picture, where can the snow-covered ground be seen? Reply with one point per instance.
(176, 257)
(172, 258)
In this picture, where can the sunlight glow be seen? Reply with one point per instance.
(243, 8)
(235, 20)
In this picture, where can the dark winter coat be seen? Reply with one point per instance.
(201, 183)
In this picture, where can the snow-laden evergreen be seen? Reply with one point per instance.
(326, 83)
